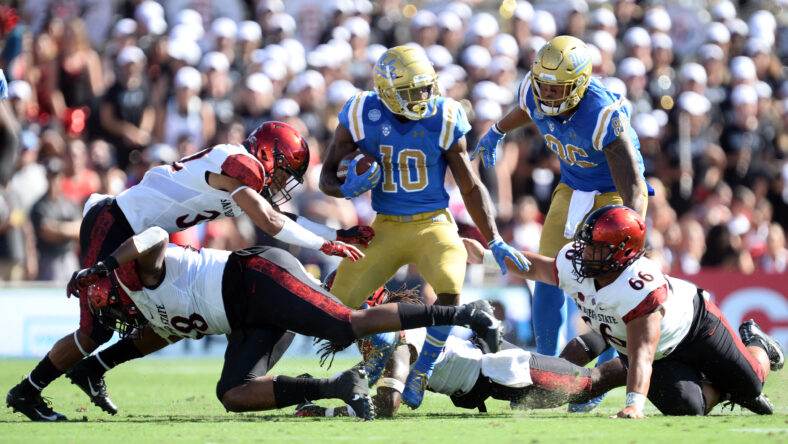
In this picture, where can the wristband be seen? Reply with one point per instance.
(498, 129)
(292, 233)
(636, 399)
(488, 260)
(111, 263)
(321, 230)
(496, 238)
(392, 383)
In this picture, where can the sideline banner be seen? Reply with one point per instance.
(760, 296)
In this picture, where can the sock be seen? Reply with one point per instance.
(291, 391)
(116, 354)
(41, 376)
(549, 314)
(433, 344)
(380, 340)
(417, 315)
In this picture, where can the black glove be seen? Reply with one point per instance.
(86, 277)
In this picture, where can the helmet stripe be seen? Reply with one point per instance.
(582, 67)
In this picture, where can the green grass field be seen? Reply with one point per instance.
(166, 400)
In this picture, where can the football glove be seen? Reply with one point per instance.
(501, 251)
(359, 235)
(355, 185)
(341, 249)
(86, 277)
(488, 146)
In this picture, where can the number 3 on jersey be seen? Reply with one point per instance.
(412, 170)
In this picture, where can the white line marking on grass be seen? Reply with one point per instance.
(761, 430)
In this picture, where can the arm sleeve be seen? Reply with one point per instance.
(245, 169)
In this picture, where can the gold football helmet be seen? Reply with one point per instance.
(406, 82)
(563, 62)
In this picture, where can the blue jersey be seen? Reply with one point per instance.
(410, 153)
(580, 140)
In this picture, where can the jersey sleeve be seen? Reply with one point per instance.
(246, 169)
(562, 267)
(454, 125)
(648, 289)
(351, 116)
(611, 122)
(522, 93)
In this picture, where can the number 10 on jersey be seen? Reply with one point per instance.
(412, 170)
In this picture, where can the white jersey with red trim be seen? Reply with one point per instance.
(188, 302)
(175, 197)
(641, 289)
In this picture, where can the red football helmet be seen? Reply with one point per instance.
(617, 237)
(278, 146)
(113, 307)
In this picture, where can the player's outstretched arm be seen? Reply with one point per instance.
(541, 267)
(623, 162)
(340, 146)
(488, 144)
(477, 201)
(357, 234)
(642, 339)
(147, 248)
(278, 225)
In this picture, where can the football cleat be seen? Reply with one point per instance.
(31, 404)
(478, 316)
(587, 406)
(92, 383)
(414, 388)
(760, 405)
(381, 346)
(355, 392)
(750, 332)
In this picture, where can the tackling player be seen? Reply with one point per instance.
(415, 135)
(222, 181)
(680, 351)
(258, 297)
(588, 127)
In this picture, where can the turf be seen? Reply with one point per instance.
(166, 400)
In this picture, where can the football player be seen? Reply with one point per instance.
(469, 373)
(680, 351)
(222, 181)
(415, 135)
(258, 297)
(588, 127)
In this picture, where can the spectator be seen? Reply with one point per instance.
(56, 222)
(126, 113)
(186, 113)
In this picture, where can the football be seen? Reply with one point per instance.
(364, 163)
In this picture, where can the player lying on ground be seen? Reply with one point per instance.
(254, 296)
(221, 181)
(469, 373)
(680, 351)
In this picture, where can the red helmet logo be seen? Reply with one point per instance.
(616, 236)
(278, 146)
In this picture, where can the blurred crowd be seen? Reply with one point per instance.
(104, 90)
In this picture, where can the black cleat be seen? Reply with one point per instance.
(760, 405)
(750, 332)
(354, 391)
(31, 404)
(92, 383)
(478, 316)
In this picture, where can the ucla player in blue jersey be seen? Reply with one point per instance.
(415, 135)
(587, 126)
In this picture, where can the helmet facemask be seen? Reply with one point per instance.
(112, 310)
(569, 98)
(283, 179)
(592, 258)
